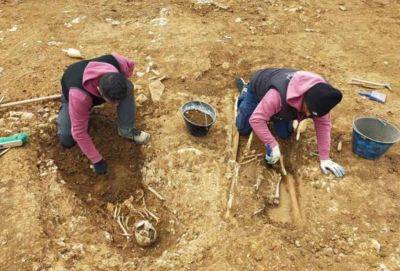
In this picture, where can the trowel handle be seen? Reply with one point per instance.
(23, 137)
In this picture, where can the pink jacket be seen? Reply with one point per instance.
(301, 82)
(80, 102)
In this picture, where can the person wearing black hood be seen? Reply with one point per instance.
(284, 95)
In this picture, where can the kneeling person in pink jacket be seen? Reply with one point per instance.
(89, 83)
(284, 95)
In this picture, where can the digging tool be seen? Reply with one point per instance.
(40, 99)
(374, 96)
(13, 141)
(356, 81)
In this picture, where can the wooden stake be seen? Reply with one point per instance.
(40, 99)
(235, 133)
(236, 166)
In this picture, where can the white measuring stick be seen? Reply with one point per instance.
(10, 144)
(51, 97)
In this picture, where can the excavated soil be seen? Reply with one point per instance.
(58, 215)
(198, 117)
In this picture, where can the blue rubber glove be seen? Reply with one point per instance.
(273, 154)
(336, 169)
(100, 167)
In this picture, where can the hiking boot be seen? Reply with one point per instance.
(139, 137)
(240, 84)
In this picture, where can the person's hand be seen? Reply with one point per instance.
(100, 167)
(336, 169)
(272, 156)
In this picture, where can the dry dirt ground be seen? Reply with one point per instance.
(57, 215)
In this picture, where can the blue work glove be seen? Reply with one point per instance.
(100, 167)
(272, 156)
(337, 169)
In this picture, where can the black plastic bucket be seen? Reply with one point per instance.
(197, 129)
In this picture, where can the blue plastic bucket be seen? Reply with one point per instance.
(372, 137)
(195, 128)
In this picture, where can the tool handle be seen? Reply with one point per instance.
(23, 137)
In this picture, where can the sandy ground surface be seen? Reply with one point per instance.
(57, 215)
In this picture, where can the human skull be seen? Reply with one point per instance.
(145, 233)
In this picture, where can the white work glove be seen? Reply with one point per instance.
(336, 169)
(273, 154)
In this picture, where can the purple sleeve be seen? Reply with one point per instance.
(126, 65)
(269, 106)
(323, 130)
(79, 109)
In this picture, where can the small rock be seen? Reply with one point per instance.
(15, 114)
(72, 52)
(384, 62)
(375, 244)
(54, 43)
(13, 29)
(1, 69)
(238, 20)
(159, 21)
(113, 22)
(297, 243)
(382, 267)
(296, 9)
(107, 236)
(141, 98)
(225, 65)
(258, 256)
(78, 248)
(77, 20)
(342, 8)
(53, 118)
(27, 116)
(60, 242)
(140, 74)
(138, 87)
(156, 90)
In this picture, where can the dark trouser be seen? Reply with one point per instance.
(126, 112)
(247, 103)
